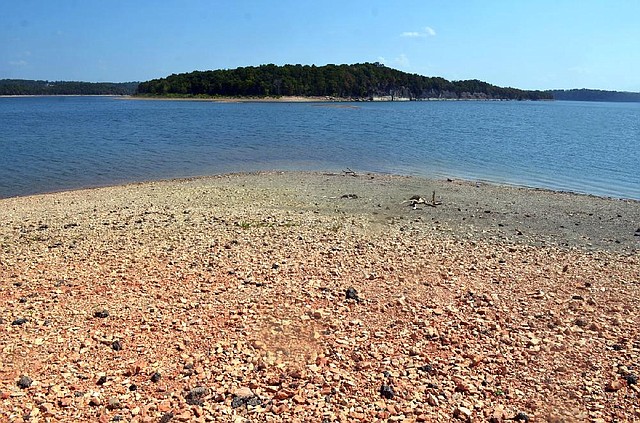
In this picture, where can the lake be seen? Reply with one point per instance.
(61, 143)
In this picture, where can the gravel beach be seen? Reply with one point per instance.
(319, 297)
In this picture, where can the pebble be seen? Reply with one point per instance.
(19, 322)
(387, 391)
(166, 417)
(101, 380)
(352, 294)
(24, 382)
(155, 377)
(185, 416)
(114, 404)
(196, 395)
(245, 396)
(614, 385)
(521, 417)
(65, 402)
(47, 409)
(427, 368)
(462, 413)
(116, 345)
(101, 314)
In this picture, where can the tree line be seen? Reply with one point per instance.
(364, 81)
(358, 82)
(595, 95)
(33, 87)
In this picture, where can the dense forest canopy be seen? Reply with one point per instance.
(359, 81)
(31, 87)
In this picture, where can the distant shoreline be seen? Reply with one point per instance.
(282, 99)
(303, 99)
(61, 95)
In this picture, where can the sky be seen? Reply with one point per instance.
(527, 44)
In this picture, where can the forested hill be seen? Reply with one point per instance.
(595, 95)
(31, 87)
(365, 81)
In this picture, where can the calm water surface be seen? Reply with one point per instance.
(59, 143)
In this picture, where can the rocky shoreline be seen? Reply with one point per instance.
(318, 297)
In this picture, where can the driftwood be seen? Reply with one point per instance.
(416, 199)
(350, 172)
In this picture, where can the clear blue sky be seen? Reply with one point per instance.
(529, 44)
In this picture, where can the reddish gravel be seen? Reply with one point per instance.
(228, 299)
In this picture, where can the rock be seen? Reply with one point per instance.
(155, 377)
(166, 417)
(196, 395)
(65, 402)
(631, 378)
(462, 385)
(387, 391)
(243, 393)
(497, 415)
(114, 404)
(349, 196)
(462, 413)
(164, 406)
(237, 402)
(116, 345)
(19, 322)
(432, 400)
(581, 323)
(614, 385)
(24, 382)
(185, 416)
(427, 368)
(101, 380)
(245, 396)
(133, 387)
(47, 409)
(352, 294)
(521, 417)
(101, 314)
(95, 402)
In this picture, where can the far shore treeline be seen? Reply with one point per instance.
(31, 87)
(366, 81)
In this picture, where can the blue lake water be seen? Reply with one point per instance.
(59, 143)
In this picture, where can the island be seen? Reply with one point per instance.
(356, 82)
